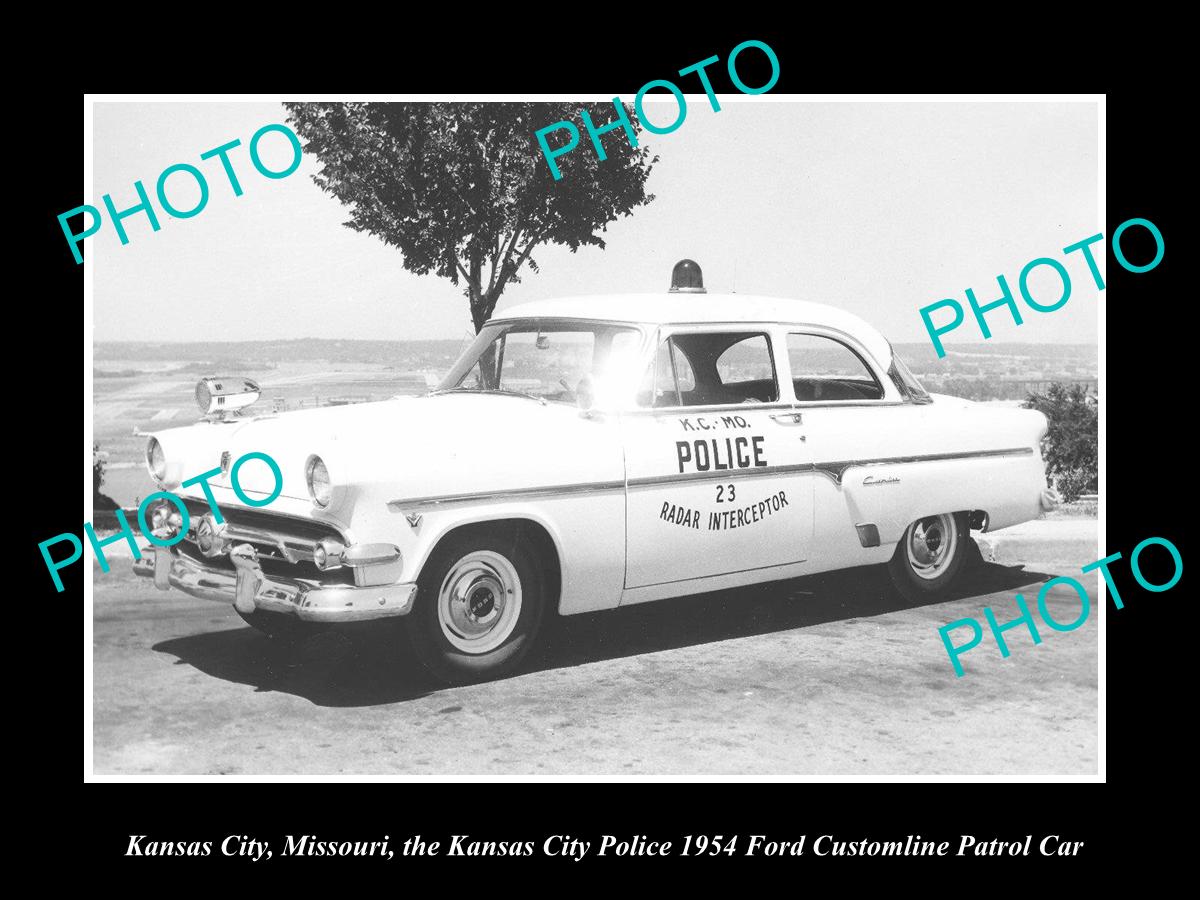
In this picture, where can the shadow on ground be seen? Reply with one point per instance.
(331, 669)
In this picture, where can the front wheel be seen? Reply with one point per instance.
(930, 555)
(479, 605)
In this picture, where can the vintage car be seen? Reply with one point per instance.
(589, 453)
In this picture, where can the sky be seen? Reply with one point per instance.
(876, 208)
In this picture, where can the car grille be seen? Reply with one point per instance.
(296, 535)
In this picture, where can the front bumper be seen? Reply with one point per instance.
(248, 588)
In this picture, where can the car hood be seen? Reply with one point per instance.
(366, 442)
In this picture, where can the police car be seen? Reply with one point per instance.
(590, 453)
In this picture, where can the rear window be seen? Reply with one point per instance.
(826, 370)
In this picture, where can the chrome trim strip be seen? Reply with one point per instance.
(257, 536)
(236, 508)
(361, 555)
(401, 505)
(722, 475)
(835, 470)
(639, 325)
(676, 411)
(848, 404)
(293, 549)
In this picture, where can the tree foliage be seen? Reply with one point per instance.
(1070, 446)
(101, 502)
(99, 463)
(463, 190)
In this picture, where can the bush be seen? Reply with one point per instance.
(100, 500)
(1074, 482)
(1070, 446)
(97, 469)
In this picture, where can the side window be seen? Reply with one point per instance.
(664, 385)
(482, 375)
(710, 369)
(623, 348)
(683, 370)
(547, 363)
(746, 372)
(824, 369)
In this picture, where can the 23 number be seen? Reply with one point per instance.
(722, 490)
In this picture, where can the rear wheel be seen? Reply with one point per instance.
(479, 605)
(930, 556)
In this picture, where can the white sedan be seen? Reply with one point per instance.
(589, 453)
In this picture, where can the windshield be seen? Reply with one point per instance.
(566, 362)
(906, 381)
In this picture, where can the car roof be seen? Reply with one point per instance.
(687, 308)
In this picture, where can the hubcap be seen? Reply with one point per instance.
(930, 544)
(480, 602)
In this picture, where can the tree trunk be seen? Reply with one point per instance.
(478, 315)
(479, 308)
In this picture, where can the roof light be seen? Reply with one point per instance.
(686, 278)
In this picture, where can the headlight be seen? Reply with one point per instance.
(156, 461)
(317, 478)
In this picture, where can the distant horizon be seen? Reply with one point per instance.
(959, 345)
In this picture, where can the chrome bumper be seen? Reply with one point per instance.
(249, 589)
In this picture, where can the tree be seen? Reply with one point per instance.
(460, 187)
(1070, 446)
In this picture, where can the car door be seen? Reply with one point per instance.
(857, 421)
(718, 472)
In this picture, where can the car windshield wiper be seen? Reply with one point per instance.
(508, 391)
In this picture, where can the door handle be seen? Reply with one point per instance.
(792, 418)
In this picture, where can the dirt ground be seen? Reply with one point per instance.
(824, 676)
